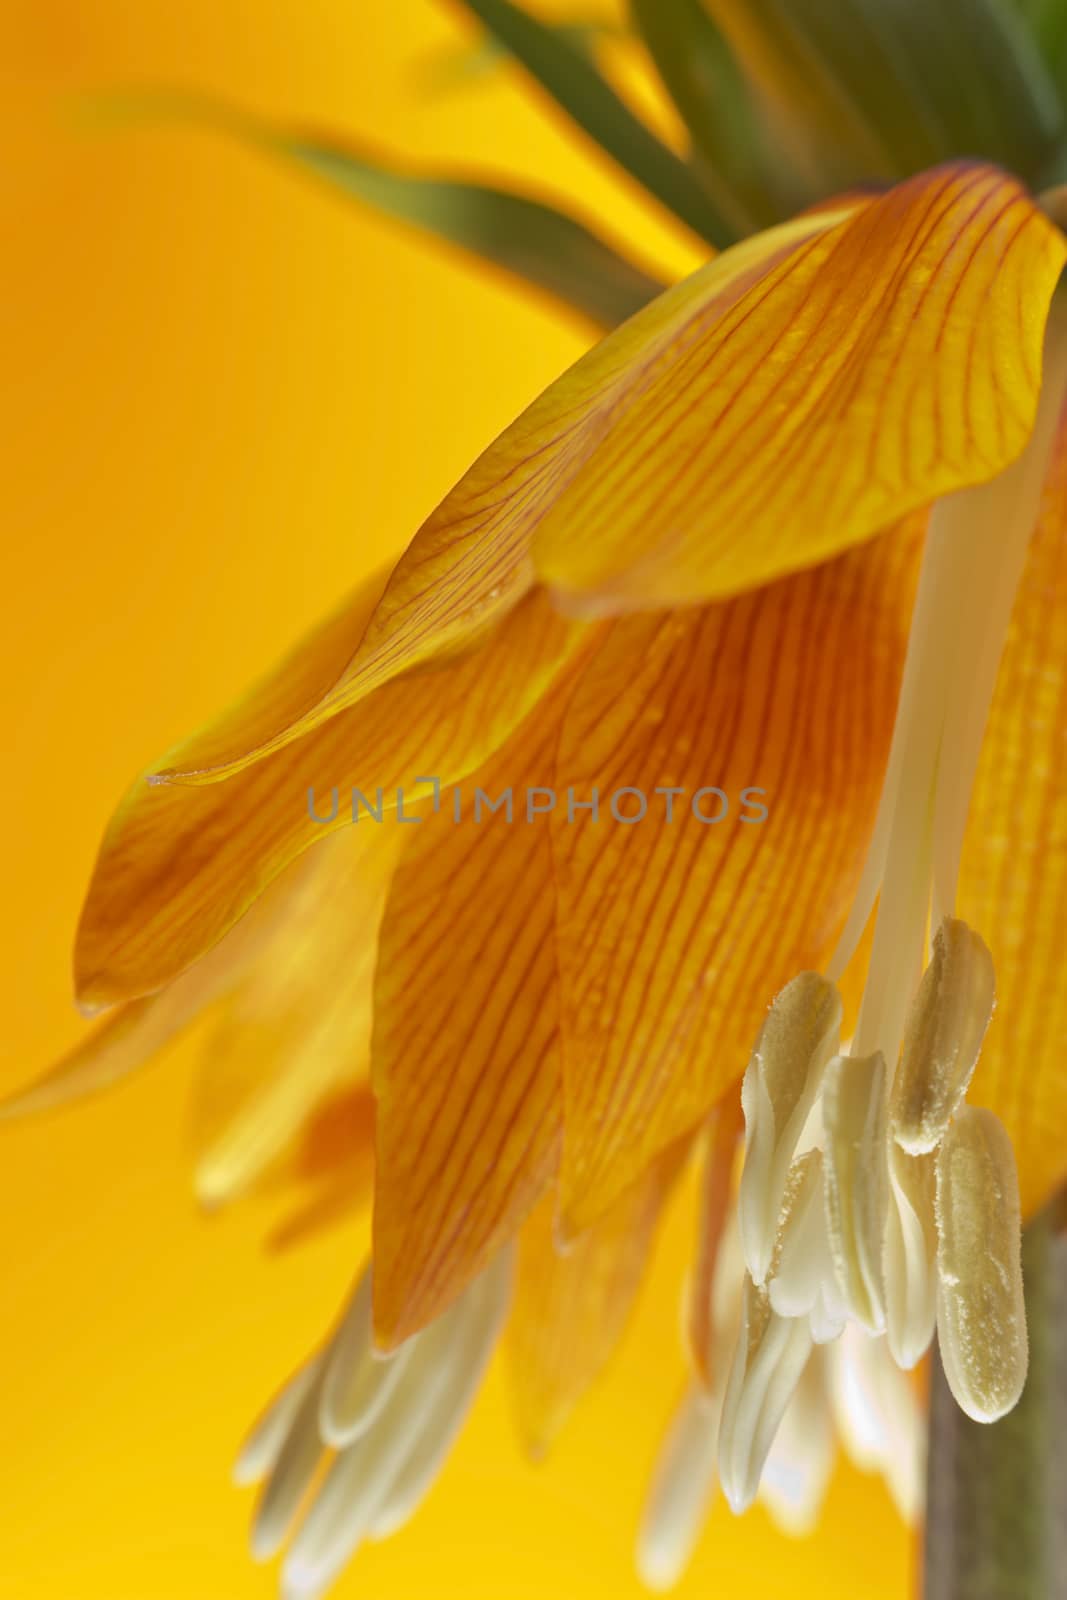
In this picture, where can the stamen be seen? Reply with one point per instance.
(442, 1425)
(357, 1491)
(771, 1355)
(264, 1443)
(804, 1284)
(993, 522)
(910, 1248)
(358, 1378)
(681, 1493)
(292, 1476)
(801, 1459)
(799, 1035)
(946, 1025)
(981, 1316)
(854, 1119)
(878, 1416)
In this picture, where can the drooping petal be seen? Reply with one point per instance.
(297, 1030)
(571, 1307)
(470, 563)
(180, 865)
(891, 359)
(466, 1033)
(132, 1034)
(673, 935)
(1013, 883)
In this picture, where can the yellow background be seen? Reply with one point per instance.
(224, 396)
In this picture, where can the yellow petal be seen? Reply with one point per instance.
(297, 1030)
(132, 1034)
(470, 564)
(571, 1309)
(466, 1049)
(180, 865)
(892, 358)
(295, 686)
(674, 936)
(1013, 885)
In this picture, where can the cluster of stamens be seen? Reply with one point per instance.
(873, 1195)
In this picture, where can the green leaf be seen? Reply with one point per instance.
(1046, 21)
(723, 110)
(526, 238)
(457, 67)
(574, 82)
(892, 88)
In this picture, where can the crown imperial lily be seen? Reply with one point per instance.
(693, 556)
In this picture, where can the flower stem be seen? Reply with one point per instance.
(996, 1524)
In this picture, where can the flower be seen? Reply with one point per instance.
(688, 567)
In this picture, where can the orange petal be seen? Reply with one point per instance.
(716, 1191)
(470, 563)
(673, 936)
(297, 1030)
(571, 1309)
(330, 1170)
(1013, 885)
(466, 1053)
(892, 358)
(132, 1034)
(180, 865)
(300, 681)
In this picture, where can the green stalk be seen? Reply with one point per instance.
(996, 1523)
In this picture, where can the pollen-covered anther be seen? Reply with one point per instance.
(798, 1038)
(945, 1029)
(981, 1314)
(770, 1357)
(855, 1150)
(803, 1282)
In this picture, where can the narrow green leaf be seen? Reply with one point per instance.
(526, 238)
(1046, 21)
(574, 82)
(457, 67)
(894, 88)
(722, 109)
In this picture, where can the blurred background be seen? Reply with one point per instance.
(227, 395)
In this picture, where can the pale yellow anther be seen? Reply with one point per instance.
(798, 1038)
(946, 1025)
(981, 1315)
(857, 1182)
(771, 1354)
(802, 1281)
(910, 1247)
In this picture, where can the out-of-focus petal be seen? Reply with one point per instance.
(892, 358)
(466, 1034)
(674, 936)
(132, 1034)
(180, 865)
(1013, 885)
(723, 1134)
(571, 1306)
(298, 1029)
